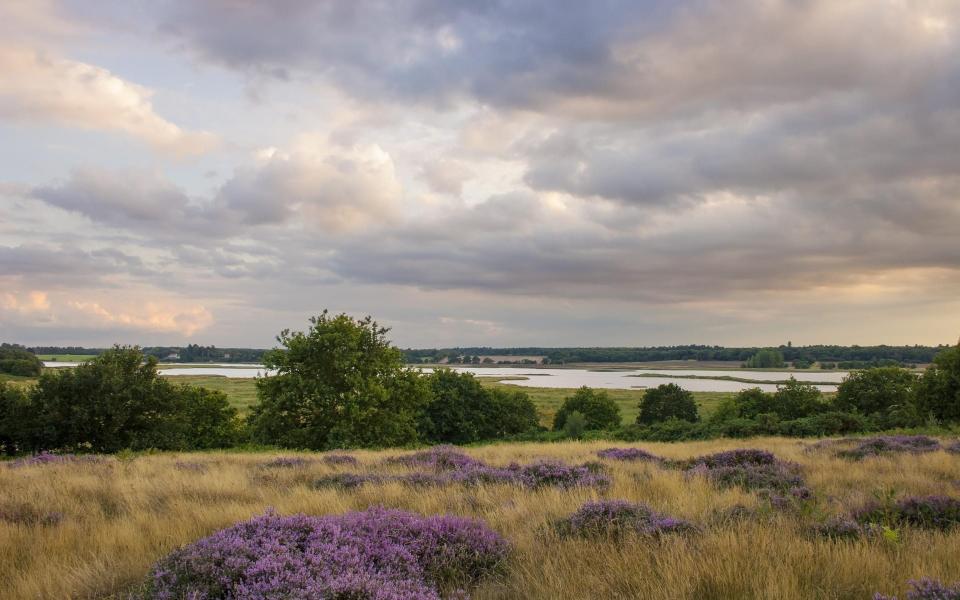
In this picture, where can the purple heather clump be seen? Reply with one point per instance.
(615, 518)
(345, 481)
(377, 554)
(741, 457)
(27, 515)
(47, 458)
(750, 469)
(891, 444)
(286, 462)
(418, 479)
(550, 473)
(954, 448)
(928, 512)
(438, 458)
(340, 459)
(838, 528)
(627, 454)
(927, 589)
(479, 475)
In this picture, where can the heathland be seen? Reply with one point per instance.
(93, 528)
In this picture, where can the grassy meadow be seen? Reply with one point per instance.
(122, 515)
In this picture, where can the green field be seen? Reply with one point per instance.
(242, 392)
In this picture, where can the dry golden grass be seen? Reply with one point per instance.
(124, 515)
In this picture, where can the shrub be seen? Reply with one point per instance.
(344, 481)
(575, 425)
(118, 401)
(47, 458)
(376, 554)
(23, 514)
(17, 360)
(753, 470)
(768, 358)
(954, 448)
(544, 473)
(671, 430)
(927, 589)
(615, 518)
(437, 458)
(928, 512)
(796, 400)
(599, 410)
(828, 423)
(511, 412)
(938, 391)
(286, 462)
(876, 391)
(667, 401)
(340, 459)
(627, 454)
(891, 444)
(838, 528)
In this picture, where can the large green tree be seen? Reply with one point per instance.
(881, 391)
(796, 400)
(667, 401)
(17, 360)
(596, 406)
(938, 392)
(340, 383)
(768, 358)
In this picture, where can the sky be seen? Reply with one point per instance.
(481, 172)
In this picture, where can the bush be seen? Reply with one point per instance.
(16, 418)
(767, 358)
(615, 518)
(118, 401)
(340, 384)
(599, 410)
(628, 454)
(796, 400)
(667, 401)
(512, 413)
(928, 512)
(17, 360)
(876, 391)
(891, 444)
(376, 554)
(575, 425)
(828, 423)
(938, 391)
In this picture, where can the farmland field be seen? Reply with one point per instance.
(116, 518)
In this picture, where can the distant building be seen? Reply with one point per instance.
(172, 356)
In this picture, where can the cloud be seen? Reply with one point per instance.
(39, 88)
(151, 317)
(26, 303)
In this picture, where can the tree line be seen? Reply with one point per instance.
(901, 355)
(341, 384)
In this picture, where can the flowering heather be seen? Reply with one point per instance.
(627, 454)
(929, 512)
(891, 444)
(741, 457)
(615, 518)
(345, 481)
(286, 462)
(927, 589)
(954, 448)
(27, 515)
(46, 458)
(377, 554)
(438, 458)
(544, 473)
(339, 459)
(838, 528)
(418, 479)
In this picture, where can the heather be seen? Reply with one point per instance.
(286, 462)
(616, 518)
(47, 458)
(929, 512)
(121, 520)
(778, 481)
(954, 448)
(340, 459)
(891, 444)
(377, 554)
(627, 454)
(927, 589)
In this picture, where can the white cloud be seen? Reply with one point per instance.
(39, 87)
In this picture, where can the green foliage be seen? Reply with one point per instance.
(768, 358)
(599, 410)
(796, 400)
(339, 384)
(938, 391)
(513, 413)
(575, 425)
(667, 401)
(887, 393)
(117, 401)
(14, 413)
(17, 360)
